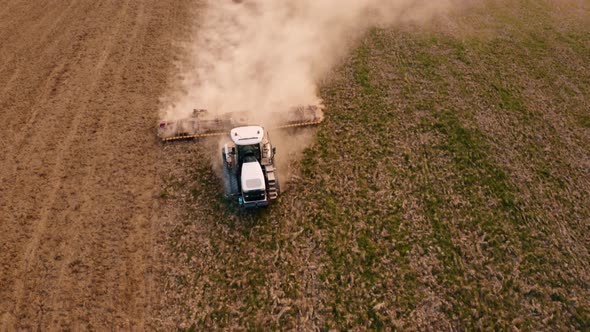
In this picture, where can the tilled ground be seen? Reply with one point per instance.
(79, 88)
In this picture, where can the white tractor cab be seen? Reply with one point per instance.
(248, 167)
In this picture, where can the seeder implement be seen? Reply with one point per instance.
(202, 124)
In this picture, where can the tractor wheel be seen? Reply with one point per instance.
(230, 181)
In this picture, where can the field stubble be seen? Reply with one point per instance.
(448, 188)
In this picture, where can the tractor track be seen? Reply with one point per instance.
(79, 87)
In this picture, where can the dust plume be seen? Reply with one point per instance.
(265, 56)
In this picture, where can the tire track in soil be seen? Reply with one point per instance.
(37, 70)
(41, 25)
(18, 178)
(76, 211)
(58, 171)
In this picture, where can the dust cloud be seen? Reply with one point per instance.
(265, 56)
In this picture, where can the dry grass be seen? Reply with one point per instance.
(448, 188)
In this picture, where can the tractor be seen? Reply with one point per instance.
(249, 171)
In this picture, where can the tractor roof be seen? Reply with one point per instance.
(247, 135)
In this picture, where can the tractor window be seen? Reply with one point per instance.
(249, 150)
(254, 195)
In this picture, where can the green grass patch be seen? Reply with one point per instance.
(406, 205)
(584, 120)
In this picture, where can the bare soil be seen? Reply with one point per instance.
(79, 88)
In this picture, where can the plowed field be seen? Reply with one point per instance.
(79, 88)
